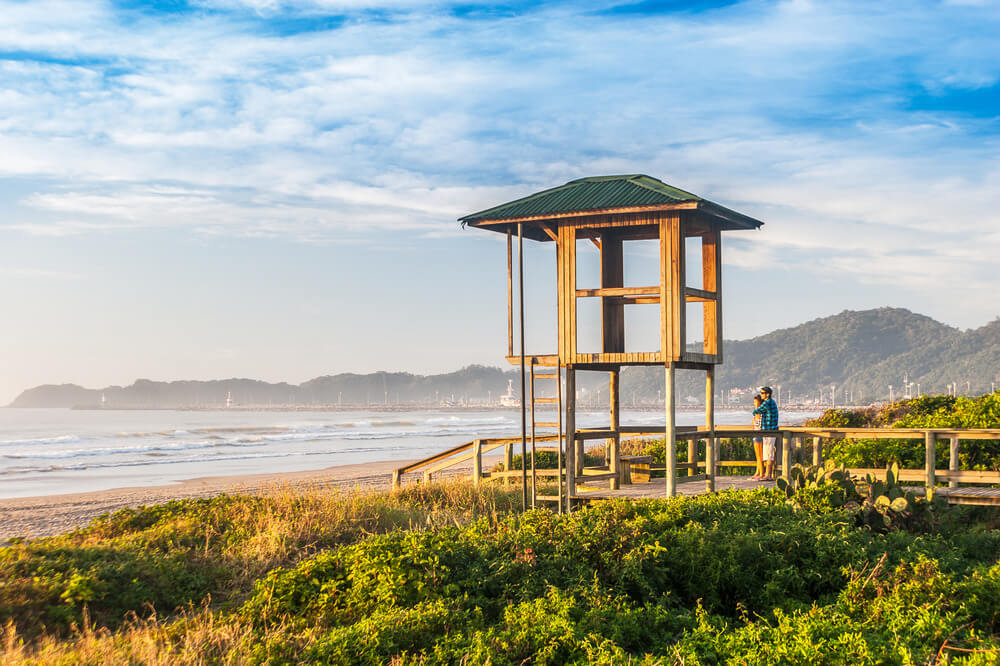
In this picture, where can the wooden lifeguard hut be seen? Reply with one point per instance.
(610, 212)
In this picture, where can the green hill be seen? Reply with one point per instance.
(863, 352)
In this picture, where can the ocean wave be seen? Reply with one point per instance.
(124, 450)
(64, 439)
(82, 466)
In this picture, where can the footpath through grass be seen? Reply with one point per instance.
(447, 574)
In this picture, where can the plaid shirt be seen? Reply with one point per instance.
(769, 413)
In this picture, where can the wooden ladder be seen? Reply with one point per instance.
(560, 497)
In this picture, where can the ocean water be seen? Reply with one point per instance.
(53, 451)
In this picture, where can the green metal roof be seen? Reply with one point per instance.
(601, 193)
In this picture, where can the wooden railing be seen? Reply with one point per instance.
(791, 450)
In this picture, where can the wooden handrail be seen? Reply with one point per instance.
(930, 474)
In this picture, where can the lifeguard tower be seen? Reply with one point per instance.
(610, 212)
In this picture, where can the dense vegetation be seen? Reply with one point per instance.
(924, 412)
(449, 574)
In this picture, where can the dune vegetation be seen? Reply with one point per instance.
(453, 574)
(825, 569)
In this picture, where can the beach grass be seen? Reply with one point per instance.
(450, 573)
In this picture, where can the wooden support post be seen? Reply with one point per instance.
(930, 442)
(953, 459)
(817, 451)
(395, 479)
(614, 443)
(561, 440)
(520, 319)
(710, 441)
(508, 462)
(670, 431)
(570, 436)
(534, 471)
(711, 264)
(692, 456)
(477, 462)
(510, 293)
(427, 477)
(785, 442)
(799, 453)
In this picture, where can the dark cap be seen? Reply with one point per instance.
(766, 389)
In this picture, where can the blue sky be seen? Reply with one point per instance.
(209, 188)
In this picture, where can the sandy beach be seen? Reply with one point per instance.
(55, 514)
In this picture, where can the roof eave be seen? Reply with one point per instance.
(730, 219)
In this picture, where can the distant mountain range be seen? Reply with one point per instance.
(858, 352)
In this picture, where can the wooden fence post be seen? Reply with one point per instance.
(953, 459)
(930, 442)
(785, 441)
(508, 462)
(817, 451)
(477, 462)
(395, 478)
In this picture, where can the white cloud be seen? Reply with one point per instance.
(797, 110)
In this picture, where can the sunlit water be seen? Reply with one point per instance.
(52, 451)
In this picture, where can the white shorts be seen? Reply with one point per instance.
(768, 449)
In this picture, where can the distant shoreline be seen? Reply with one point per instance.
(416, 407)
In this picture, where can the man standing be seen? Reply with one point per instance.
(768, 412)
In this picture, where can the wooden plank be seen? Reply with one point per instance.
(617, 291)
(786, 454)
(678, 282)
(711, 451)
(930, 444)
(545, 360)
(571, 289)
(614, 442)
(570, 436)
(666, 314)
(952, 461)
(435, 458)
(669, 431)
(582, 435)
(477, 462)
(711, 264)
(548, 231)
(879, 473)
(510, 293)
(562, 347)
(692, 295)
(968, 476)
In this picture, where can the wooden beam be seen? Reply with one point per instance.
(678, 282)
(614, 442)
(693, 295)
(510, 293)
(930, 443)
(570, 436)
(612, 309)
(617, 291)
(669, 431)
(596, 243)
(710, 442)
(548, 232)
(711, 265)
(690, 205)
